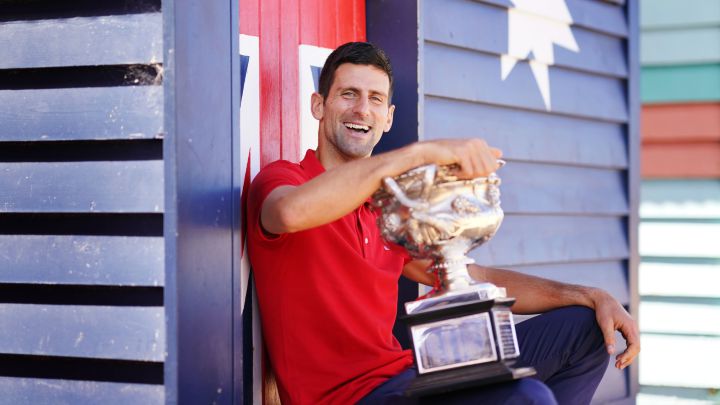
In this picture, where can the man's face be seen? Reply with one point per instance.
(356, 111)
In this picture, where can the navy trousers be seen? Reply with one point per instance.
(566, 348)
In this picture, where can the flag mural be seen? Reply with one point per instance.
(283, 46)
(680, 205)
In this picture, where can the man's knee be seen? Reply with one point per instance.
(531, 392)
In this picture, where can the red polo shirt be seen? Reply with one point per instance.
(327, 298)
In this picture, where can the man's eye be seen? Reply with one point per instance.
(348, 94)
(377, 99)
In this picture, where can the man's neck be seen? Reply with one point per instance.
(330, 157)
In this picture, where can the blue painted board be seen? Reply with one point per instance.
(16, 390)
(101, 332)
(475, 76)
(608, 275)
(599, 15)
(681, 46)
(93, 113)
(82, 41)
(82, 260)
(529, 135)
(534, 239)
(484, 27)
(90, 187)
(664, 14)
(558, 189)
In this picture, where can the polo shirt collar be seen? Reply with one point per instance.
(311, 164)
(313, 167)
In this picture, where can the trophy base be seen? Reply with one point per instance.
(465, 377)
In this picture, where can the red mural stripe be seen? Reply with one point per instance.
(681, 161)
(249, 18)
(290, 95)
(310, 22)
(690, 122)
(359, 20)
(270, 82)
(346, 21)
(327, 24)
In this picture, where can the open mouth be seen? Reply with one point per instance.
(357, 127)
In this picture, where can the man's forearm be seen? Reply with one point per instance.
(340, 190)
(535, 294)
(334, 193)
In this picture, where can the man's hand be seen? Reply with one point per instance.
(474, 156)
(611, 316)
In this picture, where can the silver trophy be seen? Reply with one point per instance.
(462, 332)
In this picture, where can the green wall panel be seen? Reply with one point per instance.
(675, 13)
(680, 83)
(680, 46)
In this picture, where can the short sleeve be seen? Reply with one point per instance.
(276, 174)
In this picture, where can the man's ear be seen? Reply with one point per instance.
(389, 122)
(317, 105)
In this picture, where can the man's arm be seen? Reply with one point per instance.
(535, 295)
(342, 189)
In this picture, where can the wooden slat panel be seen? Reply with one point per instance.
(125, 186)
(691, 122)
(680, 83)
(610, 276)
(476, 26)
(524, 240)
(81, 113)
(529, 135)
(672, 13)
(679, 318)
(541, 188)
(681, 160)
(680, 199)
(474, 76)
(82, 260)
(680, 279)
(51, 391)
(697, 240)
(680, 47)
(597, 15)
(127, 333)
(684, 361)
(104, 40)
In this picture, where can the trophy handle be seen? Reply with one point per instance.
(392, 186)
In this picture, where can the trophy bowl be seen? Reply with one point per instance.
(434, 215)
(463, 333)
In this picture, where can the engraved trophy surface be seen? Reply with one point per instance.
(462, 332)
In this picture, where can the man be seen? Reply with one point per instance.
(327, 283)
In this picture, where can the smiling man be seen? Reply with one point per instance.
(327, 283)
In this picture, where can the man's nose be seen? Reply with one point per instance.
(362, 106)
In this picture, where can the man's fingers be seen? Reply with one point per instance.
(608, 330)
(632, 336)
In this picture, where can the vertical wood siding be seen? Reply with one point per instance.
(81, 206)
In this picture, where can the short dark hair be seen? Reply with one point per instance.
(359, 53)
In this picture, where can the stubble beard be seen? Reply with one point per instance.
(355, 150)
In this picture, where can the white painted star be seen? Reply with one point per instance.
(534, 26)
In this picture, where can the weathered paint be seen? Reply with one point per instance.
(102, 40)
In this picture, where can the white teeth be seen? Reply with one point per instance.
(355, 126)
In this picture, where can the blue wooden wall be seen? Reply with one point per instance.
(570, 186)
(81, 203)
